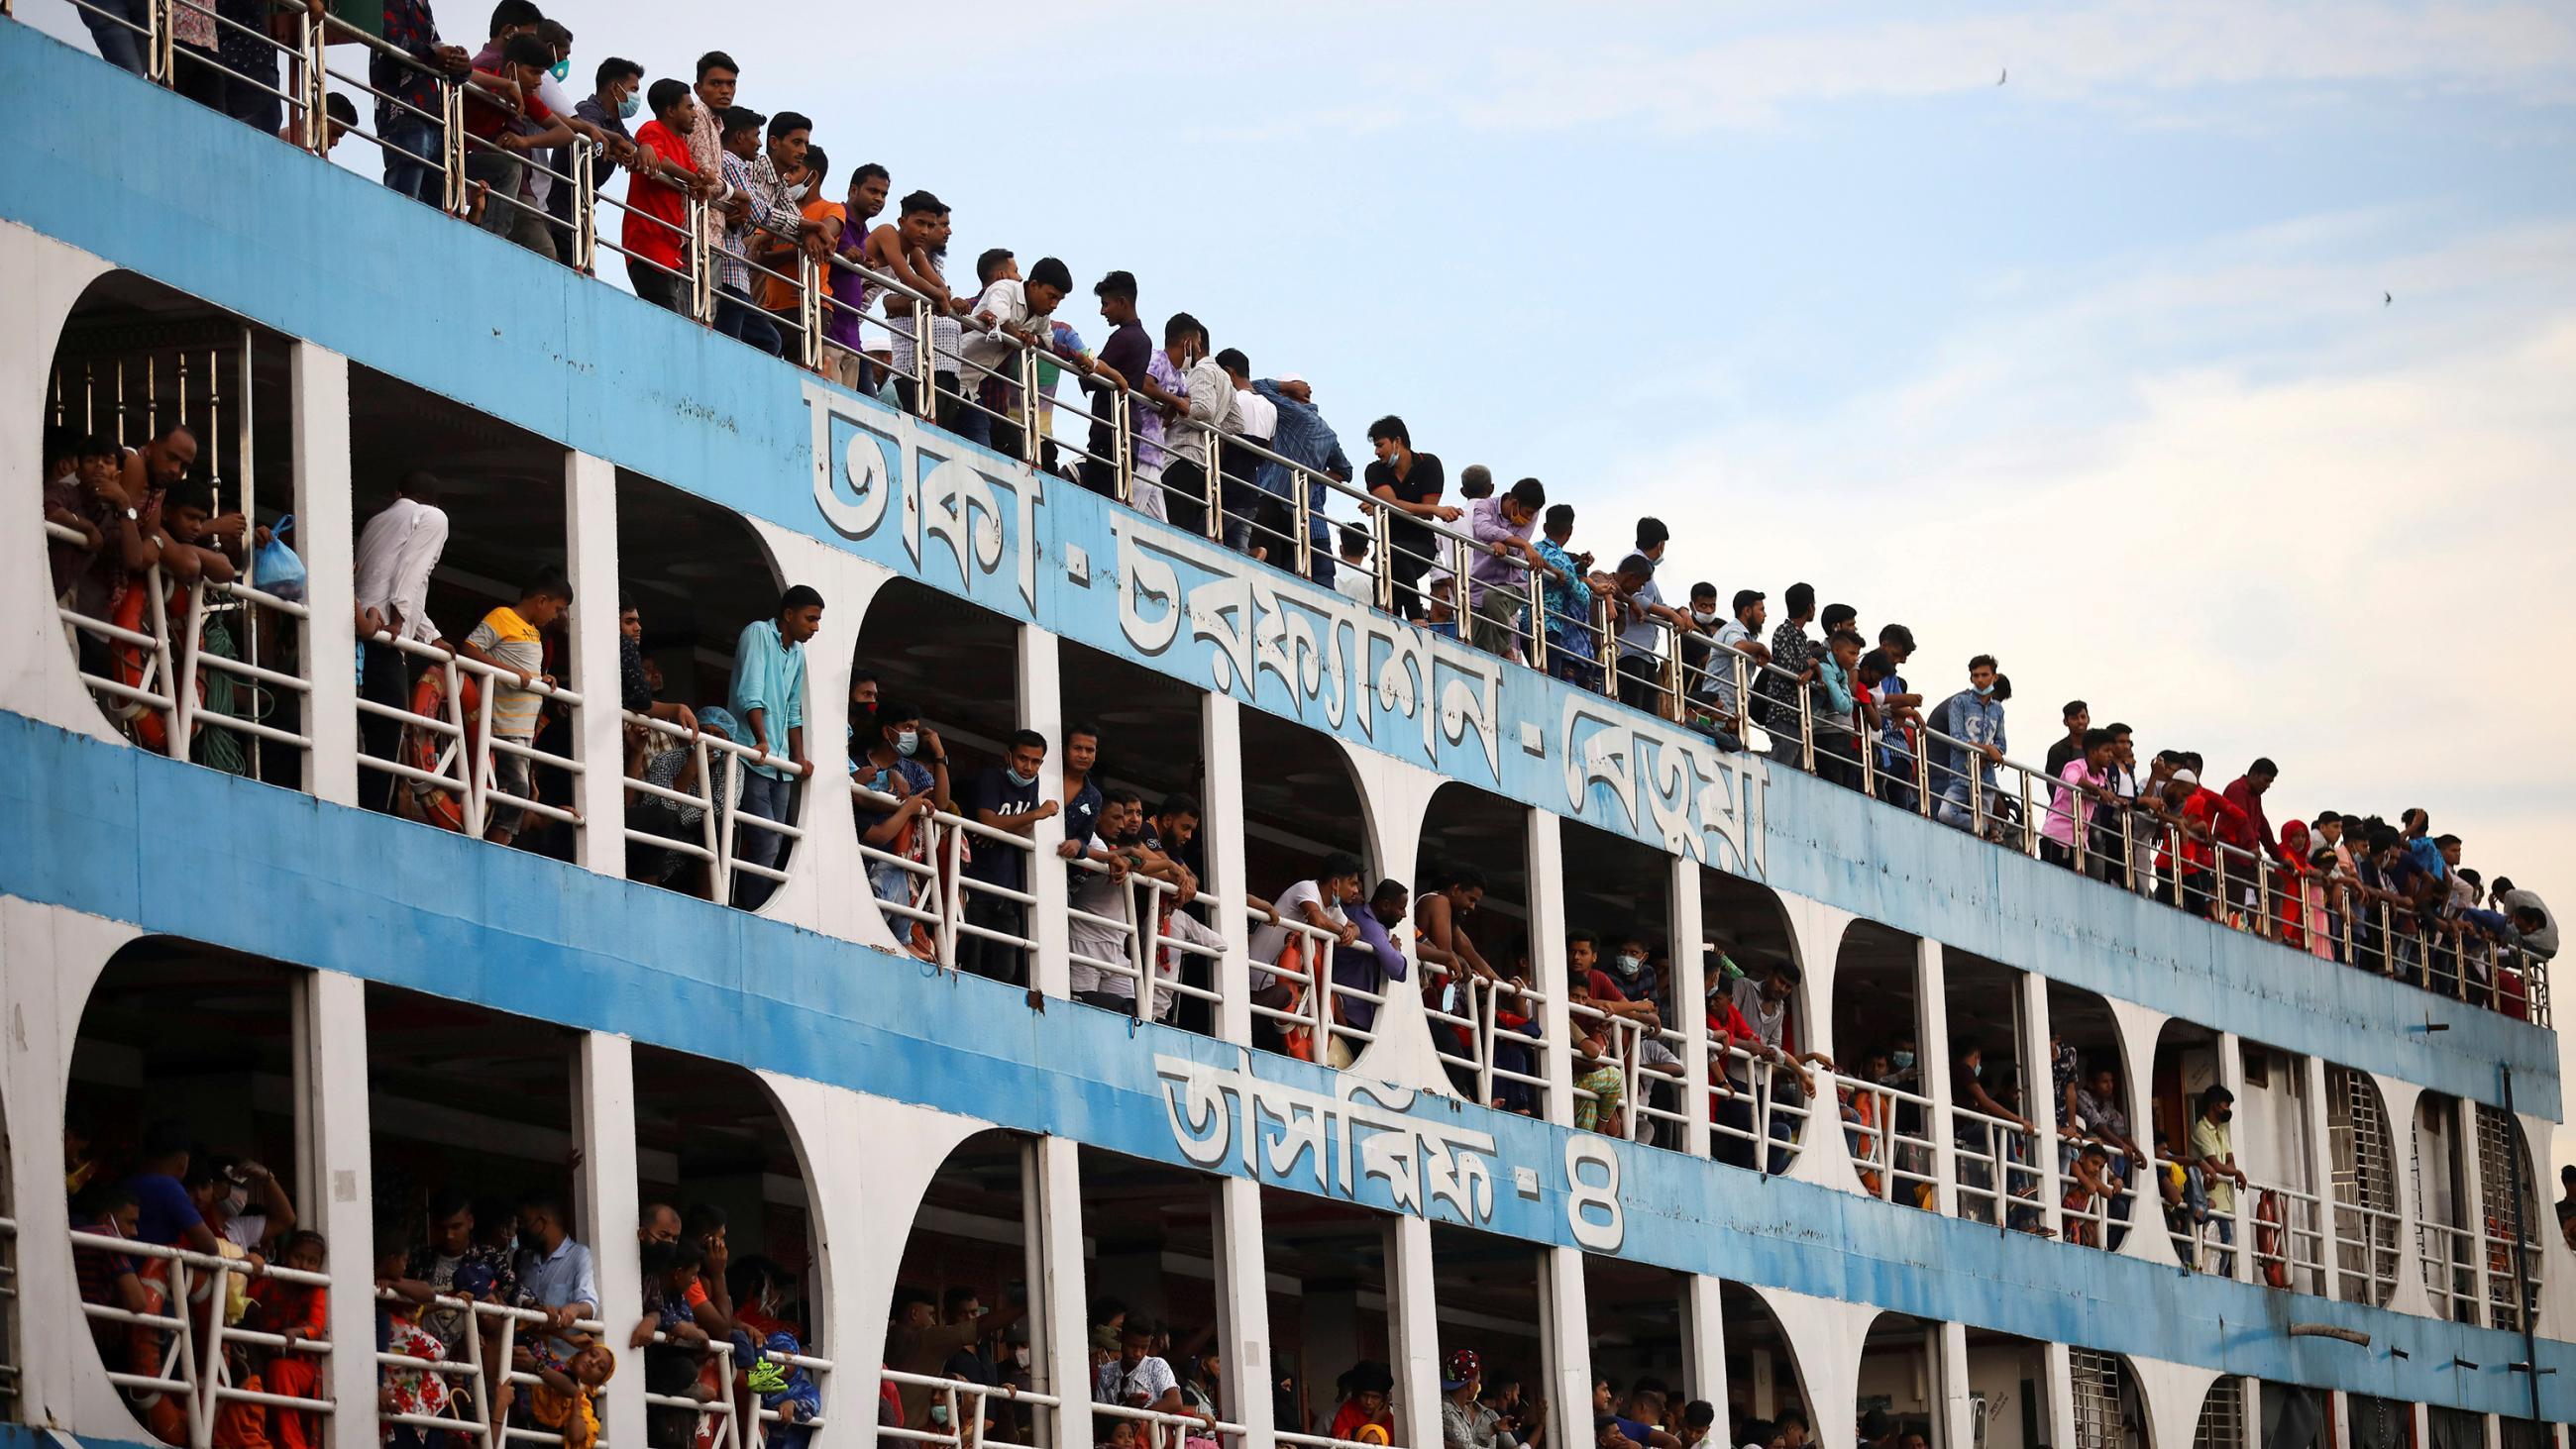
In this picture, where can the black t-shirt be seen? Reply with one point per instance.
(1420, 484)
(995, 863)
(1129, 351)
(2060, 755)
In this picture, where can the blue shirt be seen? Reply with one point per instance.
(551, 1280)
(163, 1213)
(1569, 603)
(1972, 720)
(769, 676)
(1304, 436)
(2428, 857)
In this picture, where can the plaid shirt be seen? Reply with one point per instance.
(772, 210)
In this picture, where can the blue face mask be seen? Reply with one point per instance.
(1023, 781)
(1903, 1061)
(1977, 1070)
(1984, 689)
(627, 108)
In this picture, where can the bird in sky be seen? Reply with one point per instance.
(2000, 75)
(2387, 297)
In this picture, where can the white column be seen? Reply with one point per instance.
(605, 1188)
(2057, 1381)
(590, 547)
(1951, 1428)
(1413, 1330)
(1932, 1041)
(1704, 1341)
(1243, 1306)
(1690, 992)
(340, 1195)
(1221, 828)
(2319, 1146)
(2250, 1390)
(1546, 855)
(2231, 1075)
(2401, 1100)
(1061, 1340)
(1042, 709)
(2037, 1104)
(1565, 1334)
(2339, 1417)
(326, 539)
(2139, 1028)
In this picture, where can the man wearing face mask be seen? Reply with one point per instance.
(1972, 722)
(232, 1214)
(2213, 1159)
(617, 97)
(908, 762)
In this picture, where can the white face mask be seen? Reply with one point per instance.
(1704, 616)
(797, 191)
(1022, 1355)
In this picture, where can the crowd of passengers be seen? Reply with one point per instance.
(443, 1270)
(2340, 885)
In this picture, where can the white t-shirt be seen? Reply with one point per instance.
(1119, 1384)
(1269, 940)
(1720, 683)
(246, 1230)
(1356, 582)
(535, 180)
(1094, 893)
(1260, 415)
(1007, 303)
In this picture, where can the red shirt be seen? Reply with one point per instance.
(2250, 830)
(485, 119)
(657, 213)
(2207, 807)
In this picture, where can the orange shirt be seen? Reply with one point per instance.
(780, 296)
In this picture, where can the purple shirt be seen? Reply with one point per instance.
(1485, 522)
(1367, 972)
(1149, 433)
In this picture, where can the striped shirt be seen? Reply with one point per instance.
(512, 640)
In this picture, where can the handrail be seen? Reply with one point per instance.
(187, 1362)
(952, 1393)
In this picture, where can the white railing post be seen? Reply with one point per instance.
(1689, 1006)
(599, 733)
(1041, 698)
(605, 1185)
(1221, 830)
(1565, 1335)
(1413, 1329)
(2231, 1074)
(340, 1198)
(2039, 1102)
(1932, 1060)
(1545, 853)
(1060, 1336)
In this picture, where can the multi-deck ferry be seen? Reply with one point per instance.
(255, 933)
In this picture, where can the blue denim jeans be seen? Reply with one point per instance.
(416, 178)
(738, 319)
(117, 45)
(770, 799)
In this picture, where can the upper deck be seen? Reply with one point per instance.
(851, 497)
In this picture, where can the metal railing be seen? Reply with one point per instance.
(490, 1335)
(1170, 1431)
(711, 806)
(968, 1407)
(818, 1370)
(2448, 1256)
(451, 759)
(1315, 1015)
(1145, 968)
(716, 1422)
(1894, 1165)
(1999, 1177)
(935, 887)
(1760, 1108)
(179, 1347)
(1483, 1030)
(2369, 1252)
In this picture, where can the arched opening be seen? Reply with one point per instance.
(2273, 1122)
(1301, 808)
(2510, 1195)
(720, 1188)
(2446, 1242)
(692, 578)
(1756, 1017)
(1146, 732)
(956, 890)
(1900, 1384)
(2200, 1206)
(182, 592)
(1471, 905)
(473, 1139)
(1887, 1118)
(1638, 1323)
(1487, 1290)
(1154, 1279)
(1330, 1329)
(2108, 1411)
(959, 1329)
(2099, 1177)
(1997, 1096)
(1626, 1027)
(2369, 1251)
(1764, 1388)
(479, 507)
(2221, 1424)
(185, 1152)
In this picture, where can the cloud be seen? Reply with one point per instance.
(2125, 54)
(2301, 525)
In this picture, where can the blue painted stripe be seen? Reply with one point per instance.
(389, 901)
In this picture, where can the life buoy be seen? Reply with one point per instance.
(432, 752)
(132, 667)
(1300, 1035)
(2267, 1238)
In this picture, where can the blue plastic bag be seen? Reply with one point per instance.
(275, 569)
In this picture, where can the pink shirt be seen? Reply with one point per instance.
(2074, 809)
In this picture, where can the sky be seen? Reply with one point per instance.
(2212, 362)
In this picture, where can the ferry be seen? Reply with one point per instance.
(412, 992)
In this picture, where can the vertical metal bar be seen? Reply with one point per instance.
(1122, 443)
(1305, 544)
(952, 890)
(1538, 621)
(1213, 480)
(1381, 525)
(183, 680)
(1031, 449)
(585, 208)
(2029, 836)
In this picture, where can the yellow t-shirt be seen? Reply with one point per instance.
(512, 640)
